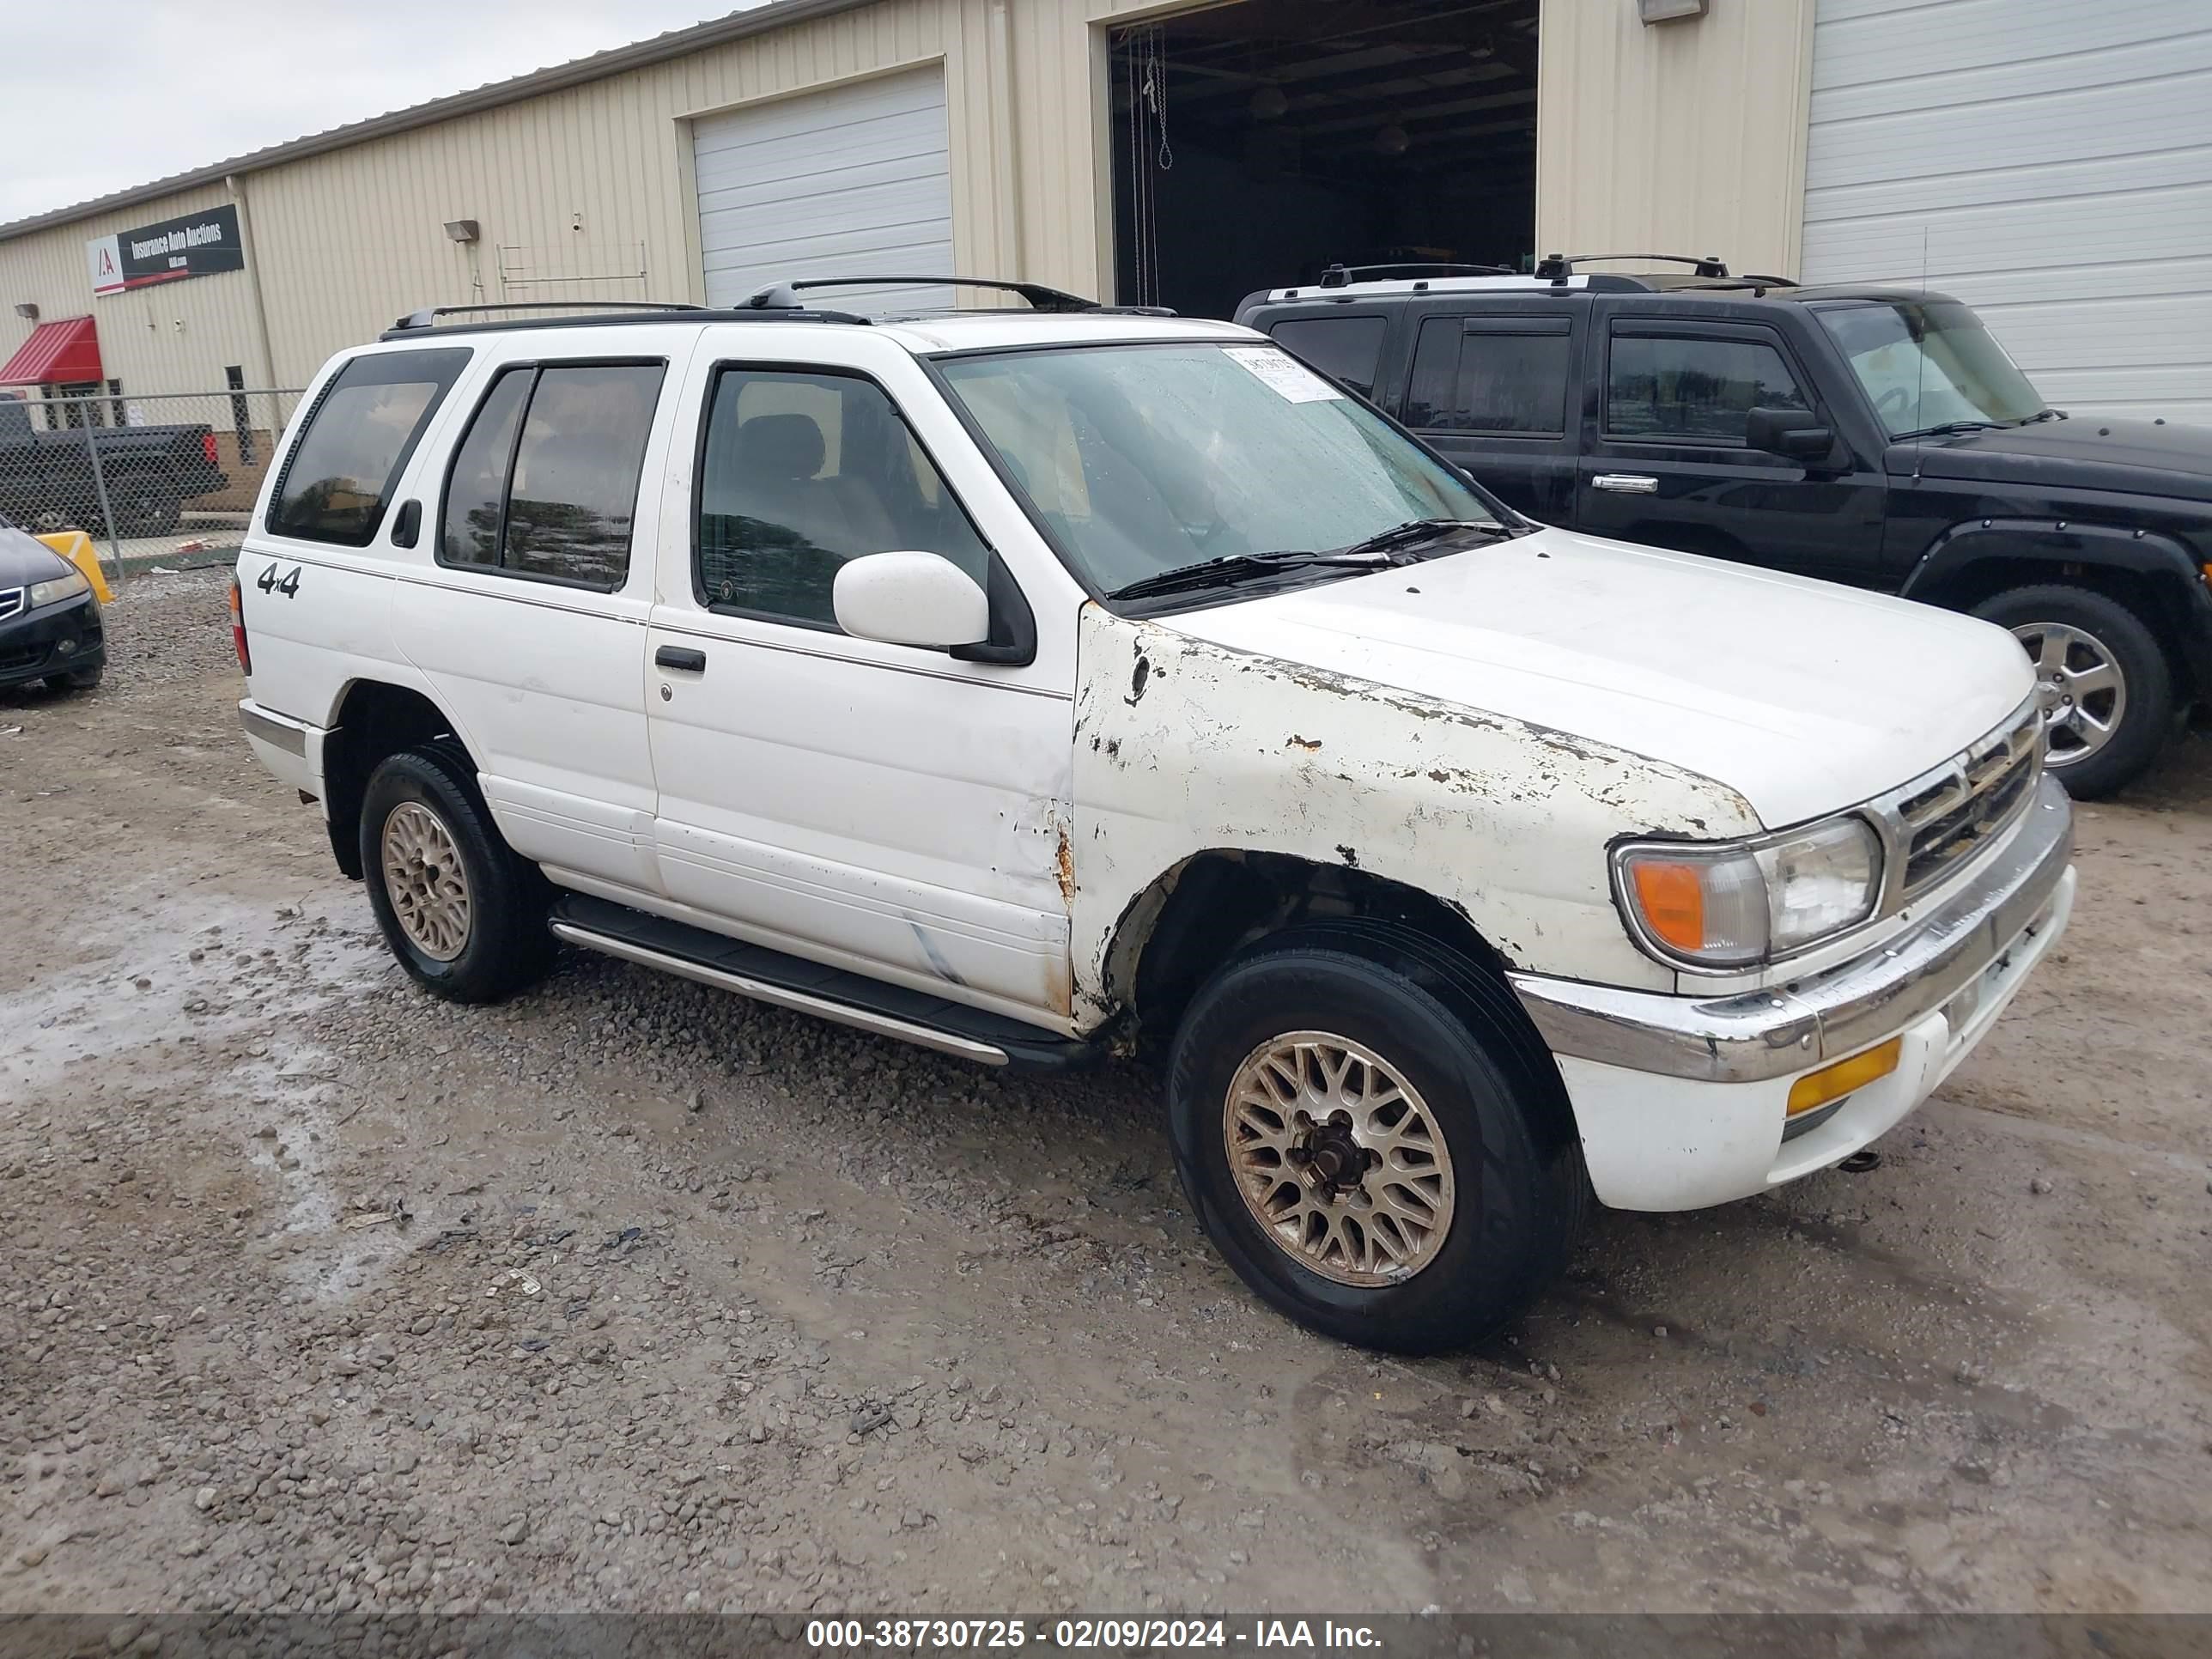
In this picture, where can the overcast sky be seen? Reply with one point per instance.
(115, 94)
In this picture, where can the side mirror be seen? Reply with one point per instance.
(910, 599)
(1796, 435)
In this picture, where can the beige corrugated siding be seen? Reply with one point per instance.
(172, 338)
(585, 192)
(1681, 137)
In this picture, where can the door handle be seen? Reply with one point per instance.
(1627, 483)
(681, 658)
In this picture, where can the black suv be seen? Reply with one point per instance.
(1876, 436)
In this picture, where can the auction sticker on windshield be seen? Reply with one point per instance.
(1292, 379)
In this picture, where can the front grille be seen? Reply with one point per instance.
(11, 601)
(1951, 813)
(15, 661)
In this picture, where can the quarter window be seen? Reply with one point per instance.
(1491, 376)
(545, 484)
(1672, 389)
(801, 472)
(1347, 348)
(339, 477)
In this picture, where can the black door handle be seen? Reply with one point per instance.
(680, 657)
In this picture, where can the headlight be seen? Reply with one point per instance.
(1736, 906)
(60, 588)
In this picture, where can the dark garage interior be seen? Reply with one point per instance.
(1258, 143)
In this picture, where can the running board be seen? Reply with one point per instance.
(788, 981)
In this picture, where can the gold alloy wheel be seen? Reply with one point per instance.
(1338, 1158)
(425, 881)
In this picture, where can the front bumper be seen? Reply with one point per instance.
(1681, 1103)
(55, 639)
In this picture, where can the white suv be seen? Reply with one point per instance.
(1012, 681)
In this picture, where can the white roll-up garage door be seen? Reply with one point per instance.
(2054, 159)
(854, 180)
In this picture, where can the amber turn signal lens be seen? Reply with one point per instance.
(1673, 901)
(1816, 1089)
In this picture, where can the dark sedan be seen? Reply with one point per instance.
(49, 620)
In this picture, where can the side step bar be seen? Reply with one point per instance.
(788, 981)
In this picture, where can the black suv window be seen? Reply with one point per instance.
(1505, 374)
(545, 482)
(358, 437)
(1672, 387)
(800, 472)
(1348, 348)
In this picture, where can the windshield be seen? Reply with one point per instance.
(1929, 364)
(1149, 459)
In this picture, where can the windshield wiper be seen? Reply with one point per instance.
(2045, 415)
(1415, 530)
(1208, 572)
(1947, 428)
(1375, 553)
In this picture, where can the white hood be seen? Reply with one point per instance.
(1802, 696)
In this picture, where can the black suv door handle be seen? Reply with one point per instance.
(682, 658)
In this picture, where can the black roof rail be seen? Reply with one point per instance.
(1557, 268)
(1341, 276)
(428, 315)
(784, 296)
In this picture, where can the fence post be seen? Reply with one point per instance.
(100, 485)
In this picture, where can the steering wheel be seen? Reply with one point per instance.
(1891, 402)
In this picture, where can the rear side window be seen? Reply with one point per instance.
(1675, 389)
(545, 484)
(1494, 374)
(338, 478)
(1347, 348)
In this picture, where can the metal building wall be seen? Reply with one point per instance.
(1685, 136)
(1678, 137)
(169, 337)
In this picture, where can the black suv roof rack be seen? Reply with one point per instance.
(1557, 267)
(1342, 275)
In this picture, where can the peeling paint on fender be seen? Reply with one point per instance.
(1505, 820)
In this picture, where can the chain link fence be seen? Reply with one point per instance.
(164, 482)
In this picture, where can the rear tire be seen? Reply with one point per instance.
(464, 915)
(2107, 688)
(1489, 1191)
(145, 503)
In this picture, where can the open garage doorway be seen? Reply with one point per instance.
(1255, 143)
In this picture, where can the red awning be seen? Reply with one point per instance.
(65, 353)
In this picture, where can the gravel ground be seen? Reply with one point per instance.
(322, 1294)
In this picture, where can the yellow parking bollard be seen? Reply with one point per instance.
(77, 547)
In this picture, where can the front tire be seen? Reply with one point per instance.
(463, 914)
(2103, 679)
(81, 679)
(1373, 1138)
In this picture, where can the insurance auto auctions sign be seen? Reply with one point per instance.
(198, 245)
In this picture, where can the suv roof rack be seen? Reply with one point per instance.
(1557, 267)
(784, 296)
(427, 316)
(1341, 276)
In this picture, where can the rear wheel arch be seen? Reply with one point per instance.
(374, 719)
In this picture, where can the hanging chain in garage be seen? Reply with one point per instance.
(1146, 58)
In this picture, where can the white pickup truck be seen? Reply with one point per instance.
(1019, 682)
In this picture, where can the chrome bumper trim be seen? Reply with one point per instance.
(1757, 1035)
(278, 730)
